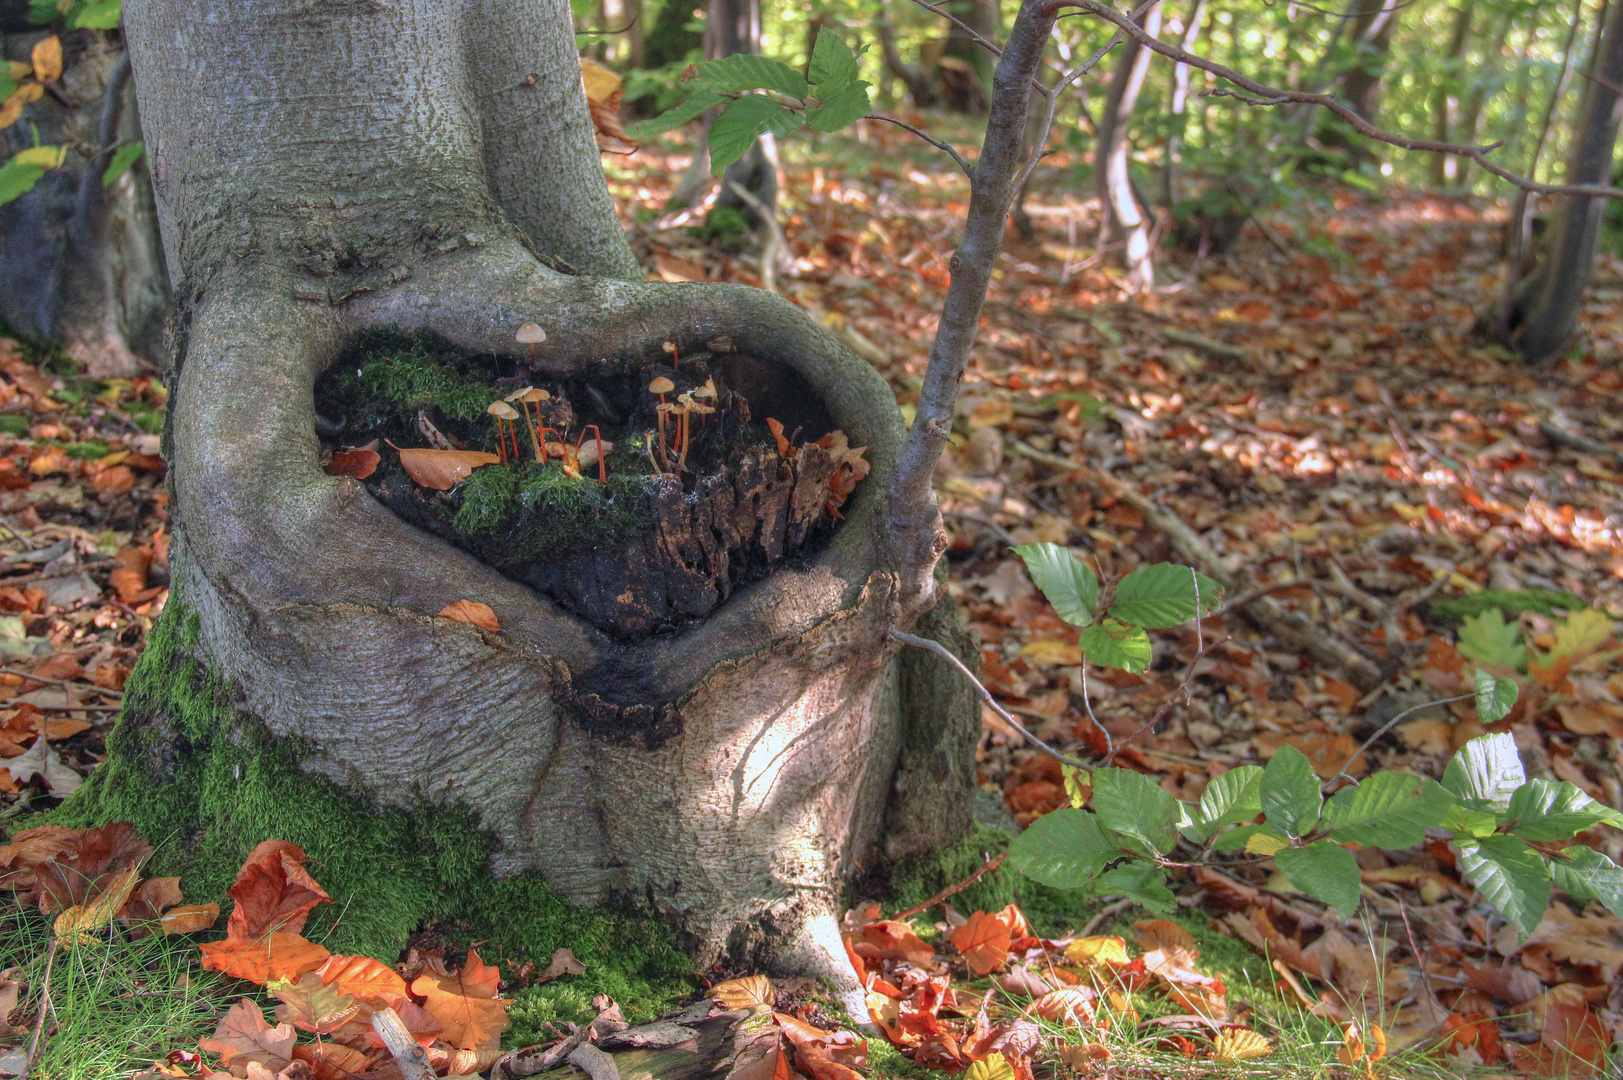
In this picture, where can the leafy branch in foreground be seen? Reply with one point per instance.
(1506, 828)
(761, 95)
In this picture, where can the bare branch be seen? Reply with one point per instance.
(986, 695)
(1267, 95)
(931, 139)
(976, 37)
(1053, 101)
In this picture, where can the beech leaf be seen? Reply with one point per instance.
(984, 942)
(442, 470)
(273, 892)
(473, 612)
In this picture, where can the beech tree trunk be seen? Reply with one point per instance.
(1125, 221)
(1540, 316)
(81, 263)
(730, 775)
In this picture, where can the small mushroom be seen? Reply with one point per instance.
(586, 455)
(662, 386)
(670, 347)
(531, 395)
(503, 411)
(532, 335)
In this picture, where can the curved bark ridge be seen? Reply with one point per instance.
(638, 495)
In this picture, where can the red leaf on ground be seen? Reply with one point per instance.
(471, 611)
(984, 942)
(359, 462)
(273, 892)
(275, 956)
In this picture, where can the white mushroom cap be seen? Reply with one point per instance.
(530, 334)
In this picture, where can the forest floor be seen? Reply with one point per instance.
(1308, 413)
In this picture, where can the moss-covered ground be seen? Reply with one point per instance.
(205, 785)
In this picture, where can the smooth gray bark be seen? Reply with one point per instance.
(1125, 221)
(326, 166)
(1542, 315)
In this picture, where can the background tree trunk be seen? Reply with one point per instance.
(1541, 315)
(1446, 100)
(1125, 221)
(82, 263)
(728, 776)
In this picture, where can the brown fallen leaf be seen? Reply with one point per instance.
(563, 963)
(275, 956)
(243, 1037)
(273, 892)
(984, 942)
(744, 993)
(465, 1004)
(47, 59)
(471, 611)
(442, 470)
(359, 462)
(603, 92)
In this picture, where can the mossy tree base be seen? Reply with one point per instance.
(205, 783)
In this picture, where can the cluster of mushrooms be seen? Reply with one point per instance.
(687, 404)
(545, 449)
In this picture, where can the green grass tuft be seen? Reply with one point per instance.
(1511, 601)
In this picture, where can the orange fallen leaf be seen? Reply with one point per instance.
(471, 1016)
(471, 611)
(47, 59)
(984, 942)
(442, 470)
(190, 918)
(372, 981)
(1163, 934)
(359, 462)
(275, 956)
(745, 993)
(603, 93)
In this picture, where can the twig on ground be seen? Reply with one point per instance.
(1296, 987)
(986, 523)
(1575, 441)
(44, 1007)
(1104, 913)
(1211, 348)
(986, 695)
(411, 1058)
(1342, 585)
(953, 890)
(775, 243)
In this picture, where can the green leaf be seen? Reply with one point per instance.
(1325, 871)
(1142, 882)
(1494, 697)
(1064, 579)
(1162, 595)
(842, 110)
(1237, 839)
(123, 158)
(7, 83)
(1112, 644)
(1389, 810)
(1133, 805)
(676, 117)
(18, 177)
(1585, 874)
(1545, 810)
(1065, 849)
(739, 125)
(1289, 792)
(1488, 639)
(745, 71)
(1469, 822)
(1232, 797)
(1485, 773)
(96, 15)
(1510, 875)
(833, 64)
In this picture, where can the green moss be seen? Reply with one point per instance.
(536, 509)
(386, 372)
(1511, 601)
(14, 424)
(91, 450)
(205, 784)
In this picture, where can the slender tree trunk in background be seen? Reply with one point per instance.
(728, 776)
(1125, 221)
(1446, 100)
(916, 77)
(80, 263)
(1542, 315)
(1178, 104)
(669, 40)
(735, 27)
(985, 17)
(1518, 230)
(1373, 22)
(1477, 96)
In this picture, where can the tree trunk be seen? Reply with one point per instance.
(81, 262)
(1477, 96)
(1125, 221)
(1372, 33)
(730, 775)
(966, 65)
(1541, 315)
(1445, 169)
(1177, 107)
(916, 77)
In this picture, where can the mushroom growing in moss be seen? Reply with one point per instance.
(662, 386)
(503, 411)
(526, 397)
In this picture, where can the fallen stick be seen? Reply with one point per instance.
(411, 1058)
(1291, 627)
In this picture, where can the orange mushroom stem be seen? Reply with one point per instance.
(602, 470)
